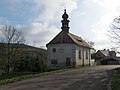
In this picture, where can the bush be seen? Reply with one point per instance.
(116, 80)
(31, 64)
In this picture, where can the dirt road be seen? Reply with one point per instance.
(93, 78)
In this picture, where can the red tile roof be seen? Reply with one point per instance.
(68, 38)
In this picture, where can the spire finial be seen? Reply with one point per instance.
(65, 15)
(64, 10)
(65, 22)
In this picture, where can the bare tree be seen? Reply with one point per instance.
(11, 42)
(114, 32)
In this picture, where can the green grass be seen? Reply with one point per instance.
(116, 80)
(2, 77)
(5, 79)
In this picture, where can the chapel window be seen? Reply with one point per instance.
(54, 61)
(79, 54)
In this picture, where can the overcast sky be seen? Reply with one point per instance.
(40, 20)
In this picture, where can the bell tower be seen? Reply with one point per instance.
(65, 22)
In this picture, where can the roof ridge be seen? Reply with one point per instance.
(68, 38)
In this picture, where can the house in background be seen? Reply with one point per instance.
(66, 49)
(106, 57)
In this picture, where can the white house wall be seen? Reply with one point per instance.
(67, 50)
(83, 55)
(60, 56)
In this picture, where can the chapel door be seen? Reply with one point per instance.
(68, 61)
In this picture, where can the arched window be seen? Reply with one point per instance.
(86, 54)
(79, 54)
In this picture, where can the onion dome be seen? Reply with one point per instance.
(65, 22)
(65, 15)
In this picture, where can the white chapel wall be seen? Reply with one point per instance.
(62, 52)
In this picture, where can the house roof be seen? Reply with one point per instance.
(68, 38)
(105, 52)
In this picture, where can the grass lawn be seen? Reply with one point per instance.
(5, 79)
(19, 74)
(116, 80)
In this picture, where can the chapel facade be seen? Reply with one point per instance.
(67, 50)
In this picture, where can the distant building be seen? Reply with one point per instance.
(106, 57)
(100, 54)
(66, 49)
